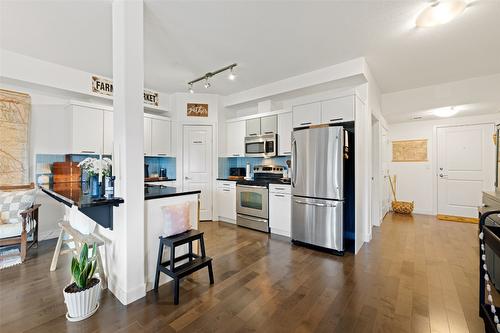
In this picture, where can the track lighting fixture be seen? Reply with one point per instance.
(208, 75)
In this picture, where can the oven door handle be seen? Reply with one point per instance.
(250, 186)
(315, 204)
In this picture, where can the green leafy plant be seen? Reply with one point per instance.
(82, 269)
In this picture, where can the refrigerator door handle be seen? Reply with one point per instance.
(294, 161)
(314, 204)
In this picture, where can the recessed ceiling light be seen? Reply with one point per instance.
(440, 12)
(445, 112)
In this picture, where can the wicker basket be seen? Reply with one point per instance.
(400, 207)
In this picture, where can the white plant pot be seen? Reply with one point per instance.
(82, 304)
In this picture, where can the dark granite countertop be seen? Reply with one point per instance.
(161, 191)
(71, 193)
(227, 179)
(158, 179)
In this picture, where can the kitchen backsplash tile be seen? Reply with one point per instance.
(232, 162)
(155, 163)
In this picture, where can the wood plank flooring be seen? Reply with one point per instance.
(417, 275)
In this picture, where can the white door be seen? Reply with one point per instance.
(465, 161)
(386, 189)
(197, 165)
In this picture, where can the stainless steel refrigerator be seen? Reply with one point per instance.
(317, 186)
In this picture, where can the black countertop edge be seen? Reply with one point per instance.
(85, 201)
(165, 192)
(227, 179)
(160, 180)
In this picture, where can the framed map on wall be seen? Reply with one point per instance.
(409, 150)
(15, 112)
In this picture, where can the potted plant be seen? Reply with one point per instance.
(82, 295)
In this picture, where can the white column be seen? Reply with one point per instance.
(127, 269)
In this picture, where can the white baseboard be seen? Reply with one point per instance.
(50, 234)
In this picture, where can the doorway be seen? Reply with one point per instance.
(465, 168)
(197, 164)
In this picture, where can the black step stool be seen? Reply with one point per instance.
(195, 262)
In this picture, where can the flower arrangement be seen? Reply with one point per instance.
(94, 166)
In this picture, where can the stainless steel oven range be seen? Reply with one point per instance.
(252, 197)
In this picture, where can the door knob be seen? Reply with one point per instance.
(187, 178)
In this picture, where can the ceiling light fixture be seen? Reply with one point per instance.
(207, 84)
(231, 75)
(445, 112)
(440, 12)
(208, 75)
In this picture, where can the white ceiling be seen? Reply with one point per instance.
(269, 40)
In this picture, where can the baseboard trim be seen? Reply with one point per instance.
(451, 218)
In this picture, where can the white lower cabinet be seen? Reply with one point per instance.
(225, 201)
(280, 206)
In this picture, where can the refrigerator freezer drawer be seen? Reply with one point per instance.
(318, 222)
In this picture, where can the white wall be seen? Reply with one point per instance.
(415, 180)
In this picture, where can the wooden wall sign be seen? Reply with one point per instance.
(409, 151)
(104, 86)
(15, 112)
(197, 110)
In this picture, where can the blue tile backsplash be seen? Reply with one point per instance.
(231, 162)
(155, 163)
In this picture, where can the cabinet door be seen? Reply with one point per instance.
(284, 133)
(235, 138)
(147, 135)
(226, 203)
(280, 206)
(337, 110)
(268, 124)
(87, 130)
(253, 127)
(160, 137)
(107, 146)
(307, 114)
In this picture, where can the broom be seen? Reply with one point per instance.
(400, 207)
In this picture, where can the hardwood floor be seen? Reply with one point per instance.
(417, 275)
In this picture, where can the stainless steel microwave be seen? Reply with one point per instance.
(261, 146)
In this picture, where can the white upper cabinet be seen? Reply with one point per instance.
(87, 130)
(160, 137)
(306, 114)
(107, 147)
(337, 110)
(285, 133)
(253, 127)
(235, 138)
(268, 124)
(147, 136)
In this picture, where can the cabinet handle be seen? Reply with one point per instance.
(287, 152)
(226, 190)
(269, 132)
(279, 195)
(236, 154)
(306, 123)
(280, 188)
(161, 154)
(336, 119)
(252, 134)
(197, 141)
(88, 152)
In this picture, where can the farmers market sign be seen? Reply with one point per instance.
(105, 87)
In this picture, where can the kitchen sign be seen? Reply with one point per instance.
(105, 87)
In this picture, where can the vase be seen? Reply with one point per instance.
(95, 190)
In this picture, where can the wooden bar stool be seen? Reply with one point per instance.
(77, 238)
(195, 262)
